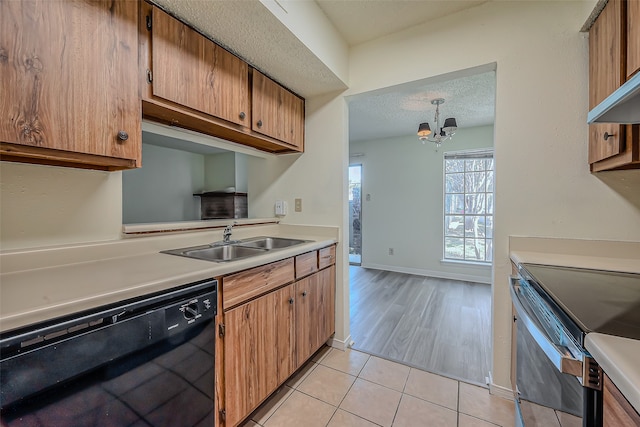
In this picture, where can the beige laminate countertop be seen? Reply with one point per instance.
(619, 359)
(68, 280)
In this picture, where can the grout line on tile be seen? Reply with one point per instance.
(356, 415)
(381, 385)
(274, 409)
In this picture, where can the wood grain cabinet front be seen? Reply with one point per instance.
(257, 359)
(617, 411)
(633, 37)
(189, 81)
(69, 88)
(191, 70)
(611, 145)
(277, 112)
(269, 335)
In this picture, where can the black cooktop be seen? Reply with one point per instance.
(598, 301)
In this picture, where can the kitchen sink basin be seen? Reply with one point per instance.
(238, 249)
(270, 242)
(221, 253)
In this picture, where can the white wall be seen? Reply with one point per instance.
(543, 184)
(319, 177)
(405, 181)
(162, 189)
(220, 171)
(48, 205)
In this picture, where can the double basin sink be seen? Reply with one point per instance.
(236, 249)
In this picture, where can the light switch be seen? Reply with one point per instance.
(298, 206)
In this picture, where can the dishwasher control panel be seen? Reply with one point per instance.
(189, 312)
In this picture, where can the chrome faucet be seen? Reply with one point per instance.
(226, 234)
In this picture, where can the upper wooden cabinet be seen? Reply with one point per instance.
(193, 71)
(277, 112)
(189, 81)
(611, 146)
(69, 83)
(633, 38)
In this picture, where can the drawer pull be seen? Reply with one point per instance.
(608, 135)
(290, 300)
(304, 294)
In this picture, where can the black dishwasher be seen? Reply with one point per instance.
(142, 362)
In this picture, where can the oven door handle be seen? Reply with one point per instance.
(557, 354)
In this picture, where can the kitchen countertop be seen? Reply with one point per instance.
(618, 358)
(45, 283)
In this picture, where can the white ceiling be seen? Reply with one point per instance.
(399, 110)
(359, 21)
(248, 29)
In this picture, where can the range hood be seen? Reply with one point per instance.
(622, 106)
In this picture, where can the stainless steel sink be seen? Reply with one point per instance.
(270, 242)
(217, 253)
(240, 249)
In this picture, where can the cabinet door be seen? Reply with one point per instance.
(633, 37)
(307, 306)
(257, 351)
(606, 74)
(617, 411)
(277, 112)
(68, 76)
(251, 357)
(315, 312)
(327, 311)
(192, 71)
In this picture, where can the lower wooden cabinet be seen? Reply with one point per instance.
(315, 308)
(257, 339)
(265, 339)
(617, 411)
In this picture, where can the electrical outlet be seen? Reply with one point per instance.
(298, 206)
(281, 208)
(390, 251)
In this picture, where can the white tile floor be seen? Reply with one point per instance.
(350, 388)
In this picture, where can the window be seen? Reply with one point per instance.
(468, 206)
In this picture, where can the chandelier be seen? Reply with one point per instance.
(443, 133)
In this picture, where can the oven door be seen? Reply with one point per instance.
(547, 382)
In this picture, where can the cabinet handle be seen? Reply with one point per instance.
(259, 123)
(290, 300)
(242, 115)
(608, 135)
(123, 136)
(304, 294)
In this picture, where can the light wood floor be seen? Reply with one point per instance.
(437, 325)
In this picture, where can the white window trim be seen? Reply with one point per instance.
(471, 153)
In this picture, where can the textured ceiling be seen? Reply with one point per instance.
(250, 30)
(399, 110)
(359, 21)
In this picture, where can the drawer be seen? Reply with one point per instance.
(240, 287)
(306, 264)
(326, 257)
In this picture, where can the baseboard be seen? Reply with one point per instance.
(430, 273)
(504, 392)
(339, 344)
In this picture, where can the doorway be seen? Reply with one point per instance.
(355, 215)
